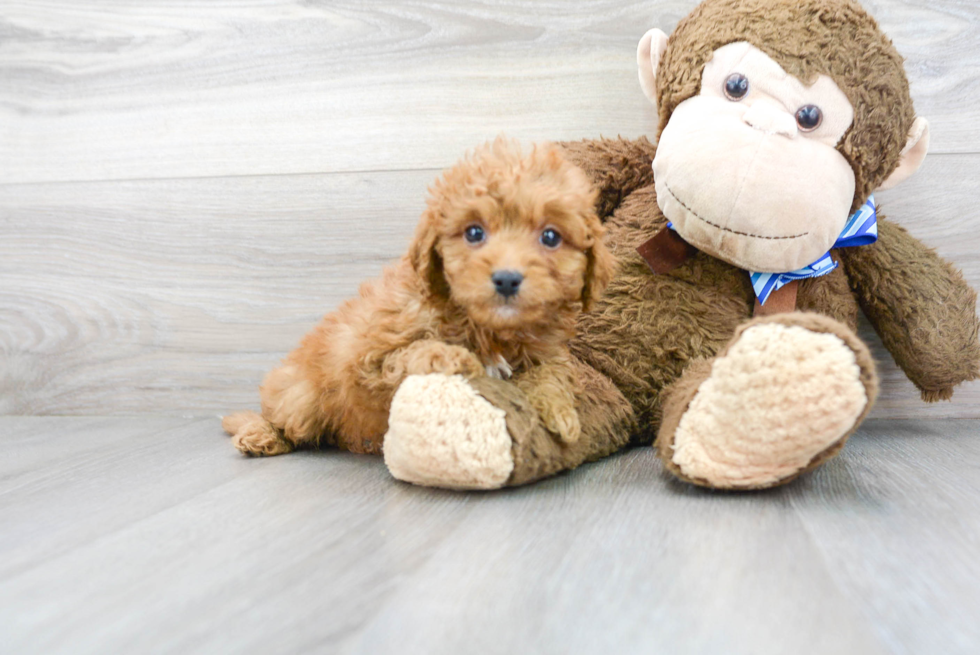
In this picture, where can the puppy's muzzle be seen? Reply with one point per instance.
(507, 283)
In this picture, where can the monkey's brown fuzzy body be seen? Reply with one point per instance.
(647, 329)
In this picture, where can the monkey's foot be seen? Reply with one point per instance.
(780, 399)
(442, 433)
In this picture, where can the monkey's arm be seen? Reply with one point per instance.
(616, 166)
(920, 306)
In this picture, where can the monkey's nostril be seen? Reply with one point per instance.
(507, 282)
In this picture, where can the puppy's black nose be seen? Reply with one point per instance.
(507, 282)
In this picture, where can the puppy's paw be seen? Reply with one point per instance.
(499, 368)
(557, 413)
(438, 357)
(256, 437)
(564, 422)
(469, 366)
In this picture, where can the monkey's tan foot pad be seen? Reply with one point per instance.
(442, 433)
(779, 400)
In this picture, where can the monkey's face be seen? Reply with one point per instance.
(748, 170)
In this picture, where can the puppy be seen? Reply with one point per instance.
(507, 253)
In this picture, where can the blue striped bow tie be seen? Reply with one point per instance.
(861, 230)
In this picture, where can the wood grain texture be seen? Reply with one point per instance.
(896, 522)
(117, 90)
(124, 535)
(177, 296)
(194, 253)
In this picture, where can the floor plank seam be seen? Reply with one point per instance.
(243, 176)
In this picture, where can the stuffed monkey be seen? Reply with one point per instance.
(748, 240)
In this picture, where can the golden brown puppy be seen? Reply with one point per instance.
(508, 252)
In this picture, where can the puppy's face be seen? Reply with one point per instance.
(514, 240)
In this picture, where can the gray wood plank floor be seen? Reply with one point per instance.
(153, 535)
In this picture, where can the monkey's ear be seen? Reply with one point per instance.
(648, 55)
(913, 154)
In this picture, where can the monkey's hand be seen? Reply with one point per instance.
(921, 306)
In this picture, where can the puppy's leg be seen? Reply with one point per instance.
(431, 356)
(551, 388)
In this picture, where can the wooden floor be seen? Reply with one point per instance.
(155, 535)
(185, 187)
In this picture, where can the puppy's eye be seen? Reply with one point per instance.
(474, 234)
(809, 118)
(736, 86)
(550, 238)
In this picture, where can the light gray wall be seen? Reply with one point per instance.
(186, 188)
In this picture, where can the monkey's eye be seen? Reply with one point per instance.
(809, 118)
(736, 86)
(550, 238)
(474, 234)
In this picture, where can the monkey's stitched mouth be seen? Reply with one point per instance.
(726, 229)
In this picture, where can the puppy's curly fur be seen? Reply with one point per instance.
(438, 310)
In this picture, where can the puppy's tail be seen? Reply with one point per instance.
(235, 422)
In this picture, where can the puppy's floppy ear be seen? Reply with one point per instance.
(600, 266)
(425, 257)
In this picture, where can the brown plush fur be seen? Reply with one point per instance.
(921, 307)
(647, 329)
(438, 311)
(672, 319)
